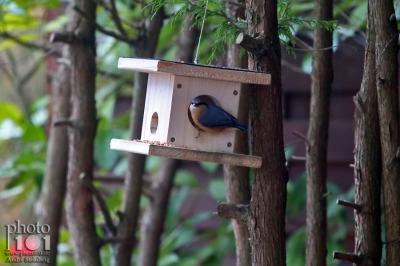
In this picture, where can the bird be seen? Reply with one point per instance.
(212, 118)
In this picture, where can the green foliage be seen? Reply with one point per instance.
(183, 178)
(23, 19)
(179, 232)
(288, 24)
(24, 146)
(337, 216)
(209, 167)
(226, 29)
(217, 189)
(289, 150)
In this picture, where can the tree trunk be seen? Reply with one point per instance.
(317, 139)
(367, 157)
(187, 41)
(237, 180)
(126, 229)
(153, 218)
(388, 108)
(49, 208)
(83, 122)
(268, 203)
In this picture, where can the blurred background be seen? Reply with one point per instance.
(192, 233)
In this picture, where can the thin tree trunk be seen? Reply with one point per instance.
(268, 202)
(237, 179)
(187, 41)
(388, 108)
(79, 205)
(367, 157)
(317, 138)
(49, 208)
(126, 229)
(153, 218)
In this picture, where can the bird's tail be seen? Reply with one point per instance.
(242, 127)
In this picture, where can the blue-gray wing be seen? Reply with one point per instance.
(217, 117)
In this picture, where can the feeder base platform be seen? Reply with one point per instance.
(186, 154)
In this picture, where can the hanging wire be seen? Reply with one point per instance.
(196, 61)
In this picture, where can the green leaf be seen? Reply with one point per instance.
(56, 24)
(289, 150)
(186, 262)
(104, 156)
(198, 217)
(114, 200)
(121, 166)
(30, 189)
(39, 110)
(209, 167)
(217, 189)
(13, 23)
(296, 196)
(168, 259)
(9, 129)
(11, 111)
(306, 64)
(19, 180)
(5, 194)
(177, 198)
(296, 248)
(185, 178)
(358, 15)
(33, 133)
(106, 107)
(152, 164)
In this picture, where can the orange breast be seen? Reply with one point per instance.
(196, 113)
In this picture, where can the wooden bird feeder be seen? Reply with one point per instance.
(167, 128)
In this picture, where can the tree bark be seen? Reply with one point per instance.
(187, 41)
(83, 72)
(126, 229)
(388, 108)
(153, 218)
(367, 156)
(317, 139)
(237, 180)
(268, 203)
(49, 208)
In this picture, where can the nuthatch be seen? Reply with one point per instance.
(212, 118)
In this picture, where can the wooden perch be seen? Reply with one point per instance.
(351, 257)
(65, 37)
(300, 136)
(67, 122)
(391, 241)
(349, 204)
(252, 45)
(239, 212)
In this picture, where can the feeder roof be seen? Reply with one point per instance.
(193, 70)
